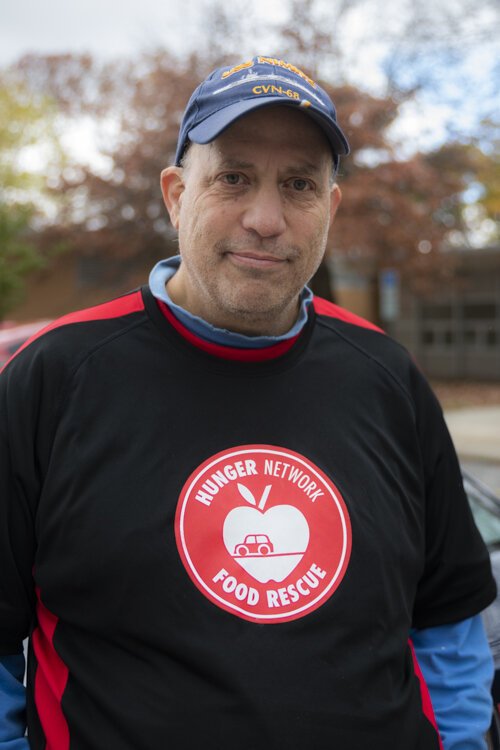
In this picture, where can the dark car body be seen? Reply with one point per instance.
(485, 506)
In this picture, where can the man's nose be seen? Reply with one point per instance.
(264, 213)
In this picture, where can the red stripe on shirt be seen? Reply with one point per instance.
(227, 352)
(424, 693)
(117, 308)
(323, 307)
(50, 680)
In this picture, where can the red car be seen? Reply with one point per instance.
(13, 336)
(254, 544)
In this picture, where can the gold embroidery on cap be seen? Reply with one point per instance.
(261, 89)
(237, 68)
(287, 66)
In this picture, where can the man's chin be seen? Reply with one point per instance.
(258, 317)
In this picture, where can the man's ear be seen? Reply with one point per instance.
(172, 187)
(335, 198)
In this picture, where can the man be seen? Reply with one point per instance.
(225, 505)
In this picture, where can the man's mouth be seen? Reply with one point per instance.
(255, 260)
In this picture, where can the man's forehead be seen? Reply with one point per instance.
(265, 120)
(278, 127)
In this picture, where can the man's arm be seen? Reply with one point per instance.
(18, 485)
(455, 585)
(12, 703)
(458, 668)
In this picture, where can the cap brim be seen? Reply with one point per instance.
(214, 125)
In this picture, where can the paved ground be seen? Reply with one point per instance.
(476, 432)
(455, 394)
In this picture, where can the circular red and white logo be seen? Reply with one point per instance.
(263, 533)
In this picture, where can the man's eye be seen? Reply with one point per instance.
(232, 178)
(300, 184)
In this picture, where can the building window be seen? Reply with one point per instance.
(479, 310)
(491, 337)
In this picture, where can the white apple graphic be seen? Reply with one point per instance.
(282, 531)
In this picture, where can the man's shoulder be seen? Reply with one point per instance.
(330, 310)
(78, 331)
(376, 351)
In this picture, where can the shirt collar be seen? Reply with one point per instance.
(165, 269)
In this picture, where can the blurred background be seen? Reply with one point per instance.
(91, 97)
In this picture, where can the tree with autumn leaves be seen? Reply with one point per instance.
(24, 121)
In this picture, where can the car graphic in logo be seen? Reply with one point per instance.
(254, 544)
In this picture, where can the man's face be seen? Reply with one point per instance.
(253, 210)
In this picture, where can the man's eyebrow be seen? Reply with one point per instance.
(307, 168)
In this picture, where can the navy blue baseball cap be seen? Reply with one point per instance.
(231, 92)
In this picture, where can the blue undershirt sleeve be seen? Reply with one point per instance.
(12, 703)
(458, 668)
